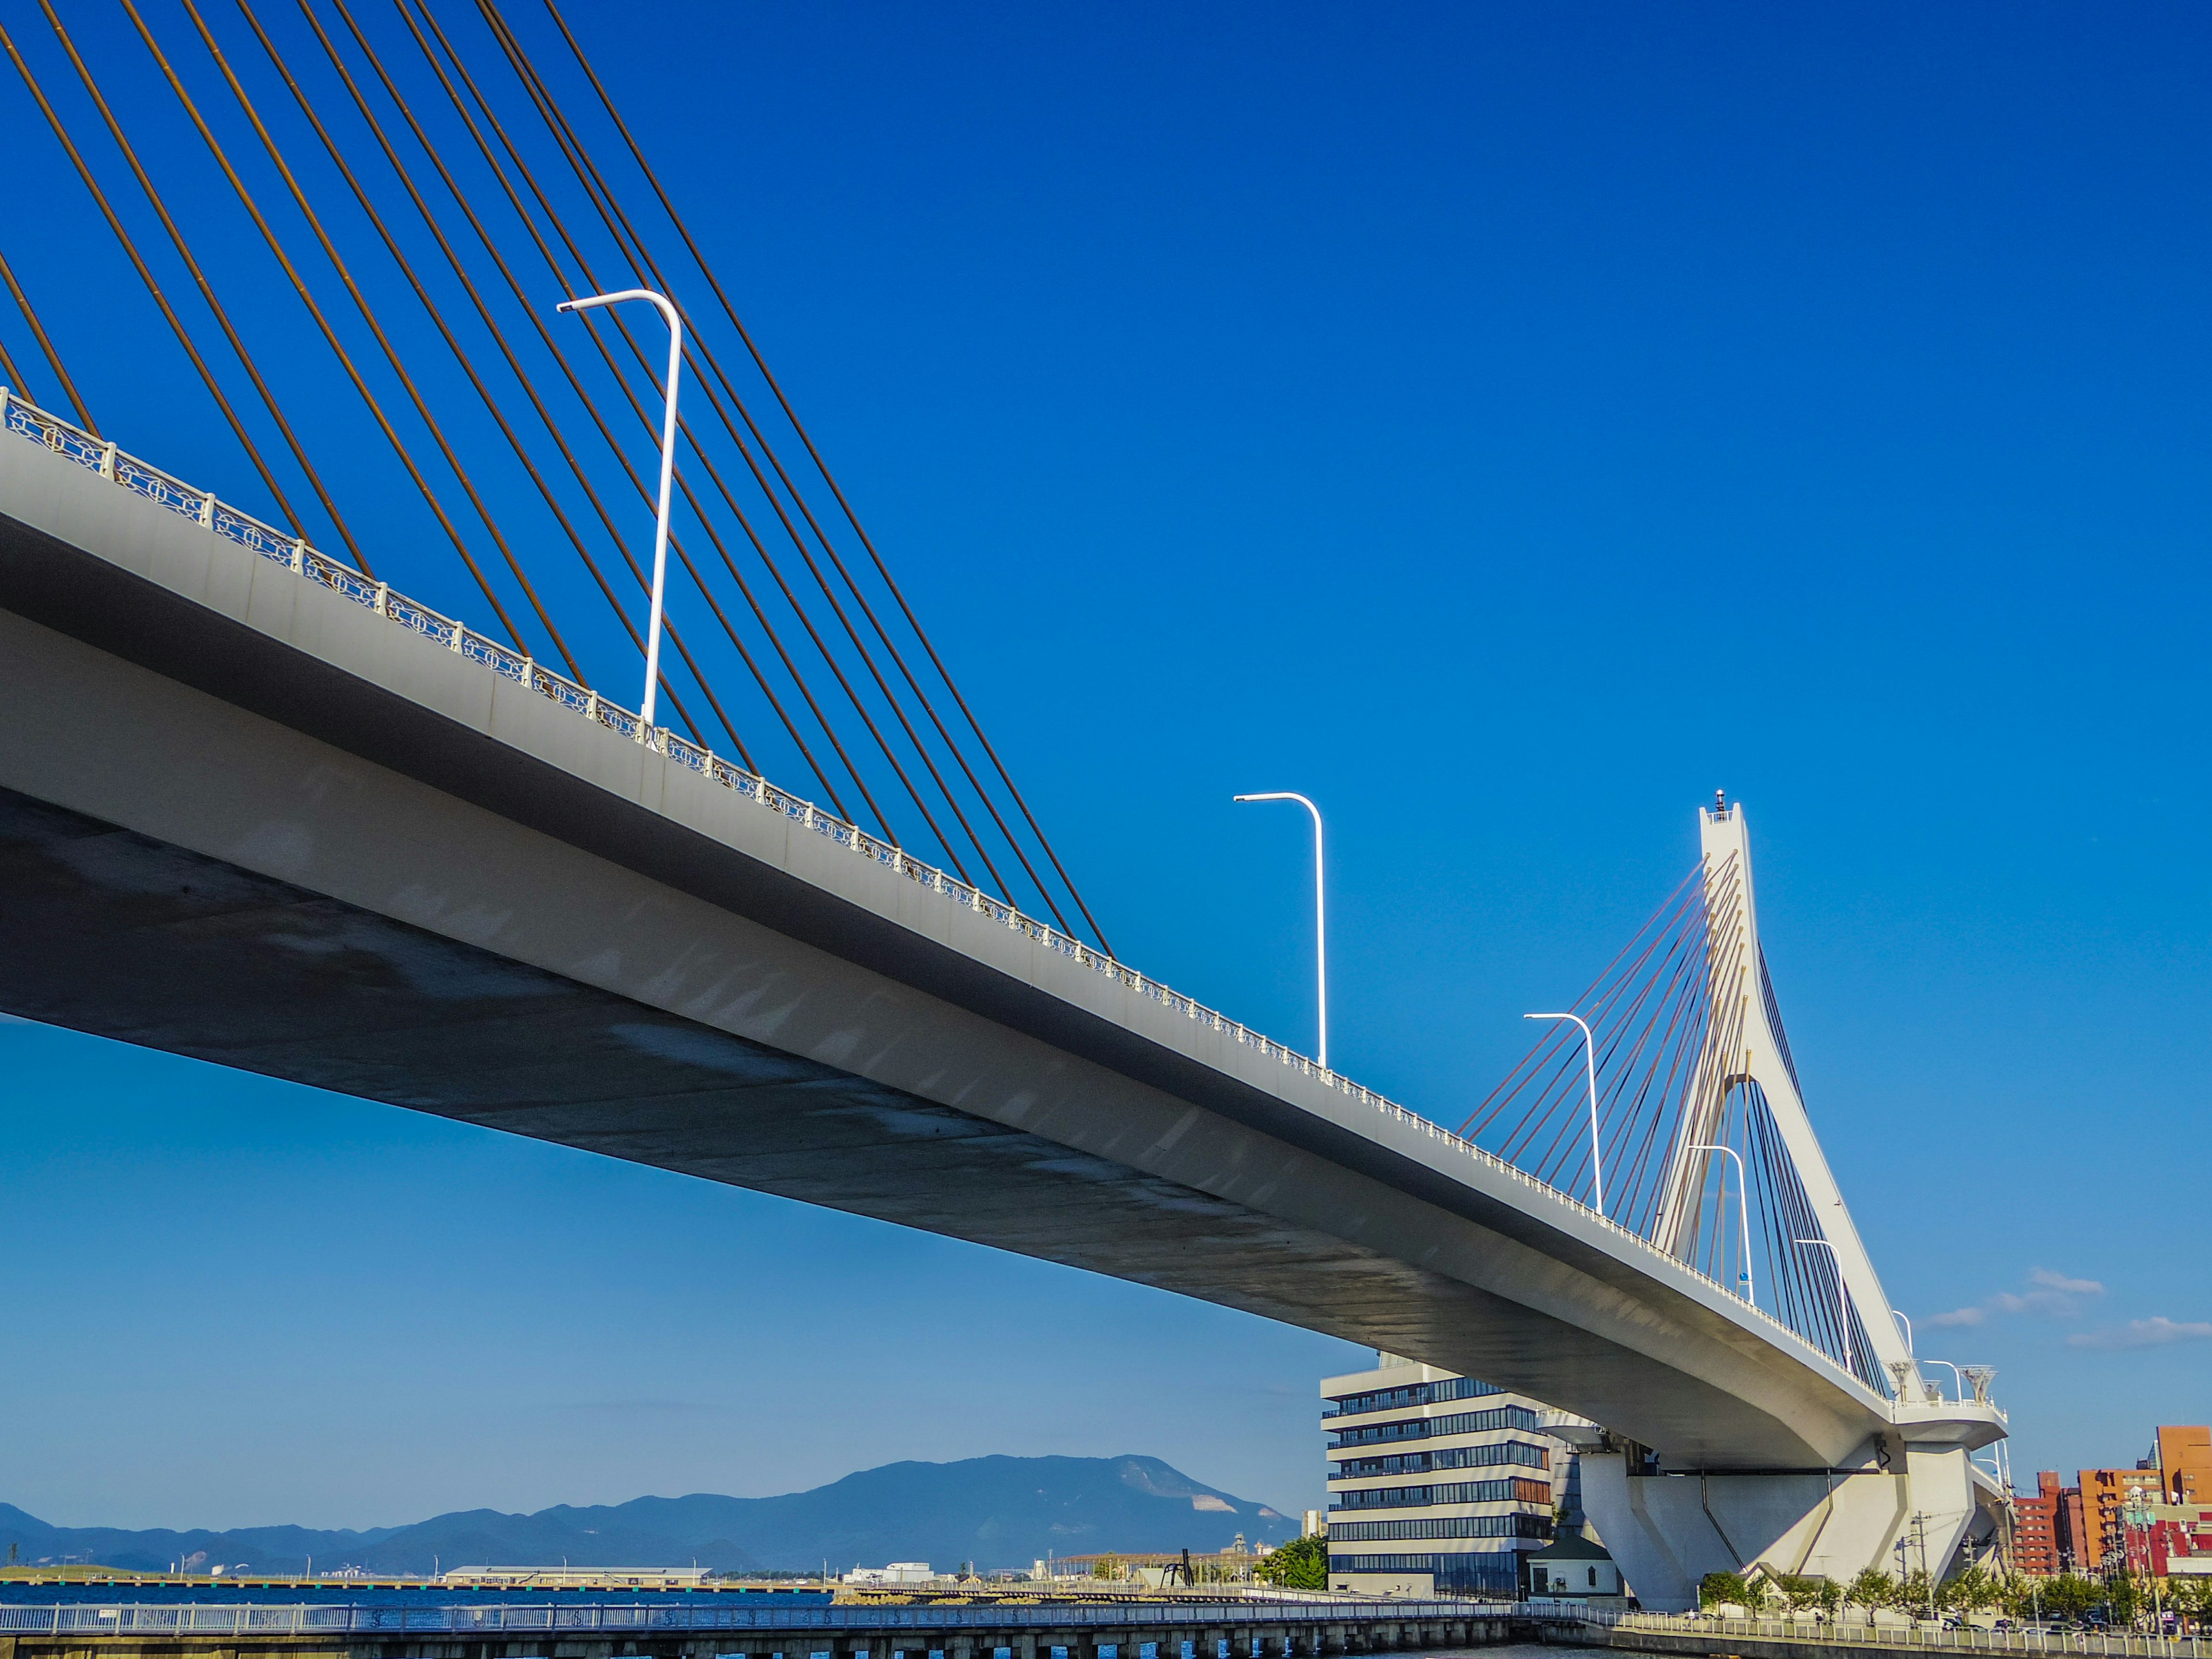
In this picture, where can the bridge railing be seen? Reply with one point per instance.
(276, 1619)
(71, 442)
(1847, 1633)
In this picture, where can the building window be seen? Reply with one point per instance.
(1447, 1457)
(1429, 1428)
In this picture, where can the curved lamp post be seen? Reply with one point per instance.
(1589, 1065)
(1742, 1210)
(1321, 916)
(667, 475)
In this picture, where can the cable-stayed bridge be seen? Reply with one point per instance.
(261, 806)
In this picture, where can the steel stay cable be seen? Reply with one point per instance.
(588, 175)
(1675, 1046)
(821, 465)
(1507, 1090)
(329, 335)
(531, 310)
(697, 349)
(45, 345)
(591, 322)
(15, 380)
(553, 265)
(1665, 986)
(1602, 999)
(1619, 1069)
(361, 195)
(621, 328)
(552, 427)
(199, 277)
(368, 316)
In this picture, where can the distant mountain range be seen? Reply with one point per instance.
(995, 1512)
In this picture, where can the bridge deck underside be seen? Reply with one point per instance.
(253, 823)
(110, 931)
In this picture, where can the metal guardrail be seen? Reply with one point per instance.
(1928, 1636)
(277, 1618)
(71, 442)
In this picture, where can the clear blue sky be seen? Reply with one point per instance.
(1505, 423)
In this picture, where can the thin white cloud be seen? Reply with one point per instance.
(2054, 1296)
(2062, 1284)
(1961, 1316)
(2153, 1333)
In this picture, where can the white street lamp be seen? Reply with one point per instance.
(1957, 1379)
(1743, 1212)
(1321, 917)
(1842, 1299)
(667, 476)
(1589, 1064)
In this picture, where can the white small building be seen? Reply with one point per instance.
(1573, 1568)
(898, 1572)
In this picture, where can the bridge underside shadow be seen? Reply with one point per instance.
(110, 931)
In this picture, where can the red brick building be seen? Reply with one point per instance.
(2035, 1528)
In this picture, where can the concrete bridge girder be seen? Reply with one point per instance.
(244, 818)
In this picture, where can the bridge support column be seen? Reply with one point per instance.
(1667, 1531)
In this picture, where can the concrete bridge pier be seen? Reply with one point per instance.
(1668, 1529)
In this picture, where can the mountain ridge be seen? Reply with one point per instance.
(997, 1512)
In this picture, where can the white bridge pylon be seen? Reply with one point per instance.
(1721, 1077)
(1744, 1064)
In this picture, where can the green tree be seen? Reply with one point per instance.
(2125, 1598)
(1916, 1596)
(1797, 1592)
(1302, 1564)
(1871, 1589)
(1724, 1590)
(1106, 1566)
(2069, 1595)
(1970, 1591)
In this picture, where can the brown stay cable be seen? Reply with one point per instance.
(792, 415)
(805, 620)
(367, 207)
(476, 298)
(538, 323)
(690, 496)
(199, 278)
(633, 249)
(322, 322)
(15, 381)
(591, 408)
(594, 187)
(46, 345)
(647, 420)
(360, 300)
